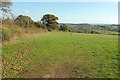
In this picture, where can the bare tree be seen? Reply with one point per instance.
(5, 6)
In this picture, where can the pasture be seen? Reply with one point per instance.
(61, 55)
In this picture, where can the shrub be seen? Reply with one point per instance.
(39, 25)
(24, 21)
(64, 27)
(6, 35)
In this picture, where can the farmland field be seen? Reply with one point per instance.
(61, 55)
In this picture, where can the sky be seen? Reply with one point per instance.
(70, 12)
(65, 0)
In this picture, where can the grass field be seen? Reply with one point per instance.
(60, 54)
(107, 32)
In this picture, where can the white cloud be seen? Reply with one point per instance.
(26, 11)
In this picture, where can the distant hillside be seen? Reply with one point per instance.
(110, 27)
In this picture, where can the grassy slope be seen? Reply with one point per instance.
(107, 32)
(62, 55)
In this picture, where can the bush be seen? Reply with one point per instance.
(24, 21)
(39, 25)
(64, 27)
(6, 35)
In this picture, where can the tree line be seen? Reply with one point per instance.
(50, 22)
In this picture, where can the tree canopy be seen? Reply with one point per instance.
(24, 21)
(50, 21)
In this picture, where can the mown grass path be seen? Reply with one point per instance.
(59, 54)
